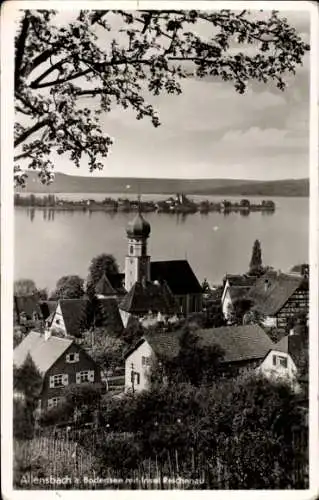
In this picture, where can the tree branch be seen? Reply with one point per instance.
(33, 85)
(22, 137)
(48, 71)
(20, 49)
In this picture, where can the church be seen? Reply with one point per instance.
(161, 289)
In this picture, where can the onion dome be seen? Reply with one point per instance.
(138, 227)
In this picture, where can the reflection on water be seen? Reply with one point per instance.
(215, 243)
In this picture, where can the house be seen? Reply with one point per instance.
(235, 288)
(182, 282)
(60, 361)
(149, 302)
(73, 316)
(244, 348)
(277, 297)
(279, 361)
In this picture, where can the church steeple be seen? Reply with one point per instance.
(137, 262)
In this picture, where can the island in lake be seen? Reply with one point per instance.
(179, 203)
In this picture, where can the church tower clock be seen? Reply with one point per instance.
(137, 262)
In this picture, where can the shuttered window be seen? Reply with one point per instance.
(59, 380)
(85, 376)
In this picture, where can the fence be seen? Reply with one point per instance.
(46, 461)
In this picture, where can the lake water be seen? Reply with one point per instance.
(51, 244)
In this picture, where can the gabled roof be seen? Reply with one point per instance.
(240, 280)
(104, 287)
(238, 292)
(107, 314)
(75, 315)
(271, 292)
(178, 275)
(147, 296)
(43, 352)
(238, 343)
(164, 345)
(28, 304)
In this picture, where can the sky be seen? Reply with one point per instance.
(210, 131)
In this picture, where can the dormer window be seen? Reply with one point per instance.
(73, 357)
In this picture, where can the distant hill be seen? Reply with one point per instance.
(76, 184)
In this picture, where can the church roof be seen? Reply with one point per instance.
(138, 227)
(147, 296)
(177, 274)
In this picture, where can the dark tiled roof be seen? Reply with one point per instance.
(78, 314)
(104, 287)
(107, 314)
(28, 304)
(238, 292)
(238, 343)
(145, 297)
(75, 315)
(164, 345)
(178, 275)
(240, 280)
(271, 292)
(43, 352)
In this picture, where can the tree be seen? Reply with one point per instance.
(102, 264)
(239, 312)
(59, 68)
(69, 287)
(195, 363)
(24, 287)
(106, 350)
(27, 381)
(255, 266)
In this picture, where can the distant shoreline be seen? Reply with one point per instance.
(178, 204)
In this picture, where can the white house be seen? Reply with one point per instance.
(235, 288)
(140, 358)
(280, 360)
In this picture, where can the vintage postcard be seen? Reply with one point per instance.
(159, 266)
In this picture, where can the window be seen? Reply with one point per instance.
(283, 361)
(131, 250)
(73, 357)
(85, 376)
(146, 361)
(59, 380)
(280, 360)
(57, 321)
(52, 402)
